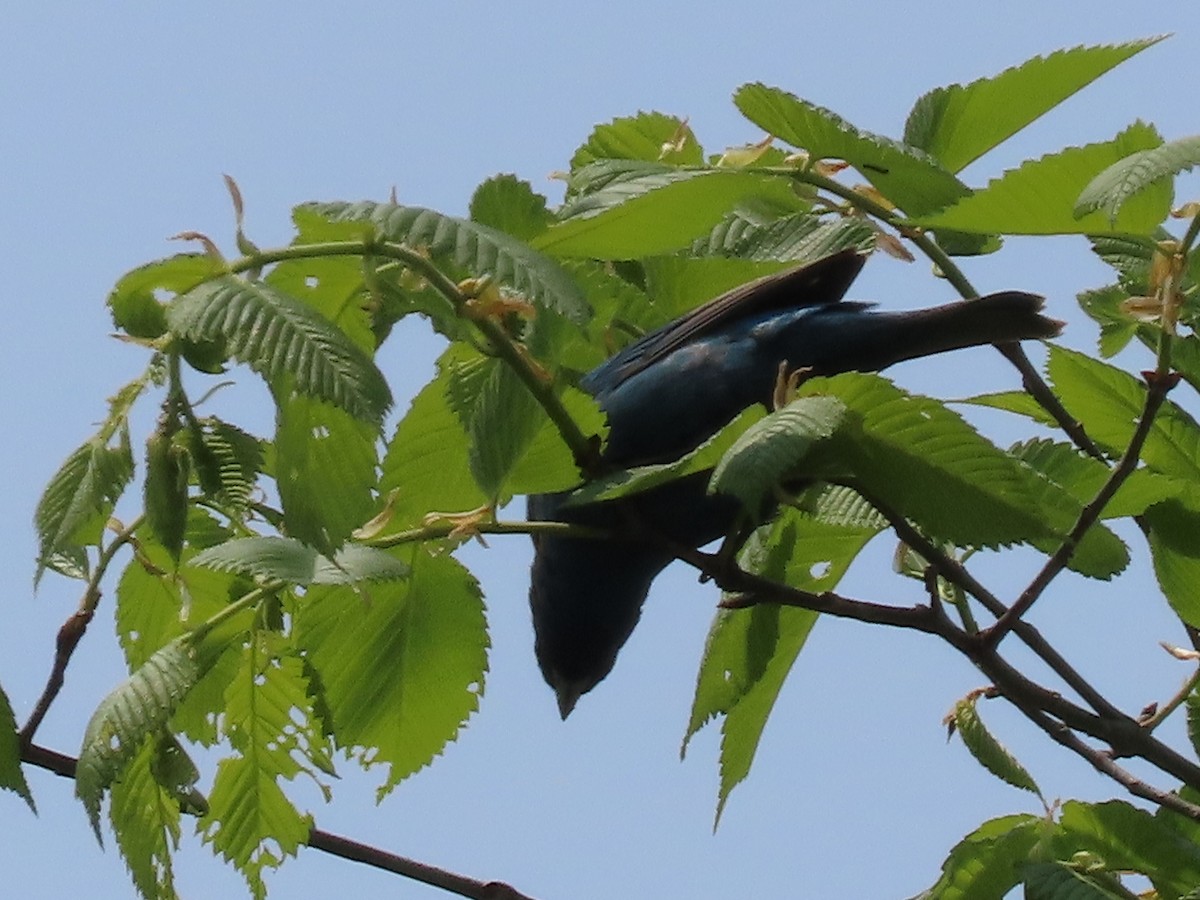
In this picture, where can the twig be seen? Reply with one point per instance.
(1156, 393)
(333, 844)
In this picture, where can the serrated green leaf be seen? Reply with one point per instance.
(425, 467)
(648, 136)
(250, 821)
(1117, 327)
(479, 249)
(547, 464)
(795, 239)
(284, 340)
(286, 559)
(1131, 839)
(986, 863)
(11, 776)
(1083, 476)
(134, 302)
(502, 418)
(909, 177)
(1038, 197)
(1109, 401)
(958, 124)
(80, 497)
(1018, 402)
(749, 652)
(145, 820)
(678, 284)
(1060, 881)
(138, 708)
(508, 204)
(653, 210)
(325, 470)
(228, 461)
(766, 452)
(335, 287)
(1109, 191)
(989, 752)
(1193, 719)
(165, 488)
(1175, 550)
(402, 672)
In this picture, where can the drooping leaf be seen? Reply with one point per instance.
(137, 709)
(402, 672)
(325, 470)
(1109, 191)
(547, 465)
(287, 559)
(1175, 550)
(1038, 197)
(11, 776)
(796, 239)
(648, 136)
(653, 210)
(165, 488)
(959, 123)
(80, 497)
(228, 461)
(145, 820)
(749, 652)
(250, 821)
(986, 863)
(765, 453)
(285, 341)
(477, 248)
(988, 751)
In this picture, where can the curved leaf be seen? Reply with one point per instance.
(286, 559)
(648, 136)
(11, 776)
(796, 239)
(137, 709)
(987, 751)
(478, 248)
(280, 338)
(1112, 188)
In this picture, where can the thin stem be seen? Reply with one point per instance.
(1161, 714)
(444, 529)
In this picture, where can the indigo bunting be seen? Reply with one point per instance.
(668, 392)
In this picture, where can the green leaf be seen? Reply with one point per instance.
(228, 462)
(135, 302)
(1109, 401)
(1018, 402)
(678, 284)
(165, 488)
(325, 469)
(401, 672)
(138, 708)
(284, 340)
(750, 651)
(145, 820)
(287, 559)
(501, 419)
(1109, 191)
(764, 455)
(797, 239)
(508, 204)
(479, 249)
(80, 497)
(1193, 719)
(1083, 477)
(645, 137)
(1060, 881)
(1038, 197)
(11, 776)
(250, 821)
(909, 177)
(1175, 550)
(986, 863)
(958, 124)
(653, 210)
(547, 464)
(1117, 327)
(1131, 839)
(425, 467)
(989, 752)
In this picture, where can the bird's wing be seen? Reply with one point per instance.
(823, 282)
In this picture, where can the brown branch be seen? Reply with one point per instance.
(333, 844)
(1156, 393)
(1037, 388)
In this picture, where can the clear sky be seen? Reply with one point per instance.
(116, 123)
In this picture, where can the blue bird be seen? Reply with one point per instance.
(669, 391)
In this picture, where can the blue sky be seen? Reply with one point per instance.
(116, 123)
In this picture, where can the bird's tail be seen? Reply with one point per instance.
(891, 337)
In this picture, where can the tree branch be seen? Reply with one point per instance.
(333, 844)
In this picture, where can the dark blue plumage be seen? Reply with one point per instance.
(669, 391)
